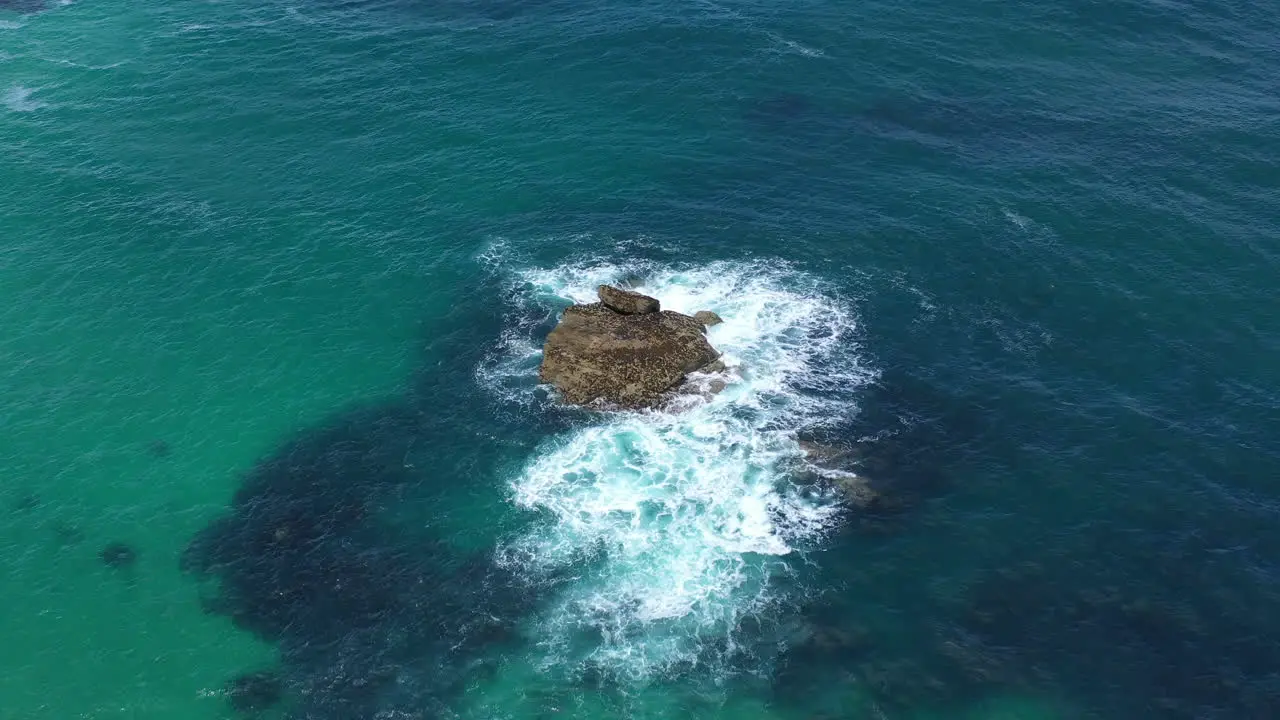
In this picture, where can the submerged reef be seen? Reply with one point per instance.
(159, 448)
(22, 6)
(254, 692)
(1124, 624)
(893, 456)
(285, 556)
(118, 556)
(366, 619)
(1157, 647)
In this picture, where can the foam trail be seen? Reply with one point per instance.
(679, 524)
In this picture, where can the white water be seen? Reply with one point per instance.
(18, 99)
(679, 525)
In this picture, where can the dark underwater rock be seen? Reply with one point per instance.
(118, 555)
(283, 556)
(22, 6)
(254, 692)
(861, 474)
(903, 448)
(1127, 649)
(625, 360)
(626, 302)
(780, 109)
(370, 619)
(159, 449)
(26, 502)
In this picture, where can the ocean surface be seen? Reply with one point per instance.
(275, 276)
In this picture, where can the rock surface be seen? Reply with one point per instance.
(708, 318)
(845, 470)
(627, 302)
(629, 360)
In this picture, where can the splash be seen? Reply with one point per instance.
(681, 526)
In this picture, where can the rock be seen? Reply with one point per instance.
(627, 302)
(710, 379)
(159, 449)
(716, 385)
(118, 556)
(858, 490)
(715, 366)
(253, 692)
(845, 470)
(630, 280)
(708, 318)
(26, 502)
(839, 641)
(824, 455)
(630, 360)
(22, 6)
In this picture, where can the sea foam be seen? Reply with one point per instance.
(18, 99)
(680, 525)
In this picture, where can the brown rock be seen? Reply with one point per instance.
(708, 386)
(626, 360)
(715, 366)
(708, 318)
(627, 302)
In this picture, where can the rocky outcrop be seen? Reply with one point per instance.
(598, 353)
(627, 302)
(710, 380)
(861, 480)
(708, 318)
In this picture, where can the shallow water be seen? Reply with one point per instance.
(275, 278)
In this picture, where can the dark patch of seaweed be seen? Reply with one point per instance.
(366, 620)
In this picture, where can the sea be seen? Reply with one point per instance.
(275, 277)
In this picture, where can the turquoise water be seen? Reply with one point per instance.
(274, 277)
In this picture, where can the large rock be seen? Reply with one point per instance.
(708, 318)
(596, 353)
(627, 302)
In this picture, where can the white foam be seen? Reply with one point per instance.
(676, 522)
(18, 99)
(783, 45)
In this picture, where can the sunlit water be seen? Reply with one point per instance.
(275, 278)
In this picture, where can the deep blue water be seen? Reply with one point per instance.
(274, 276)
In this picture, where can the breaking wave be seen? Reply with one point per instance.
(681, 527)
